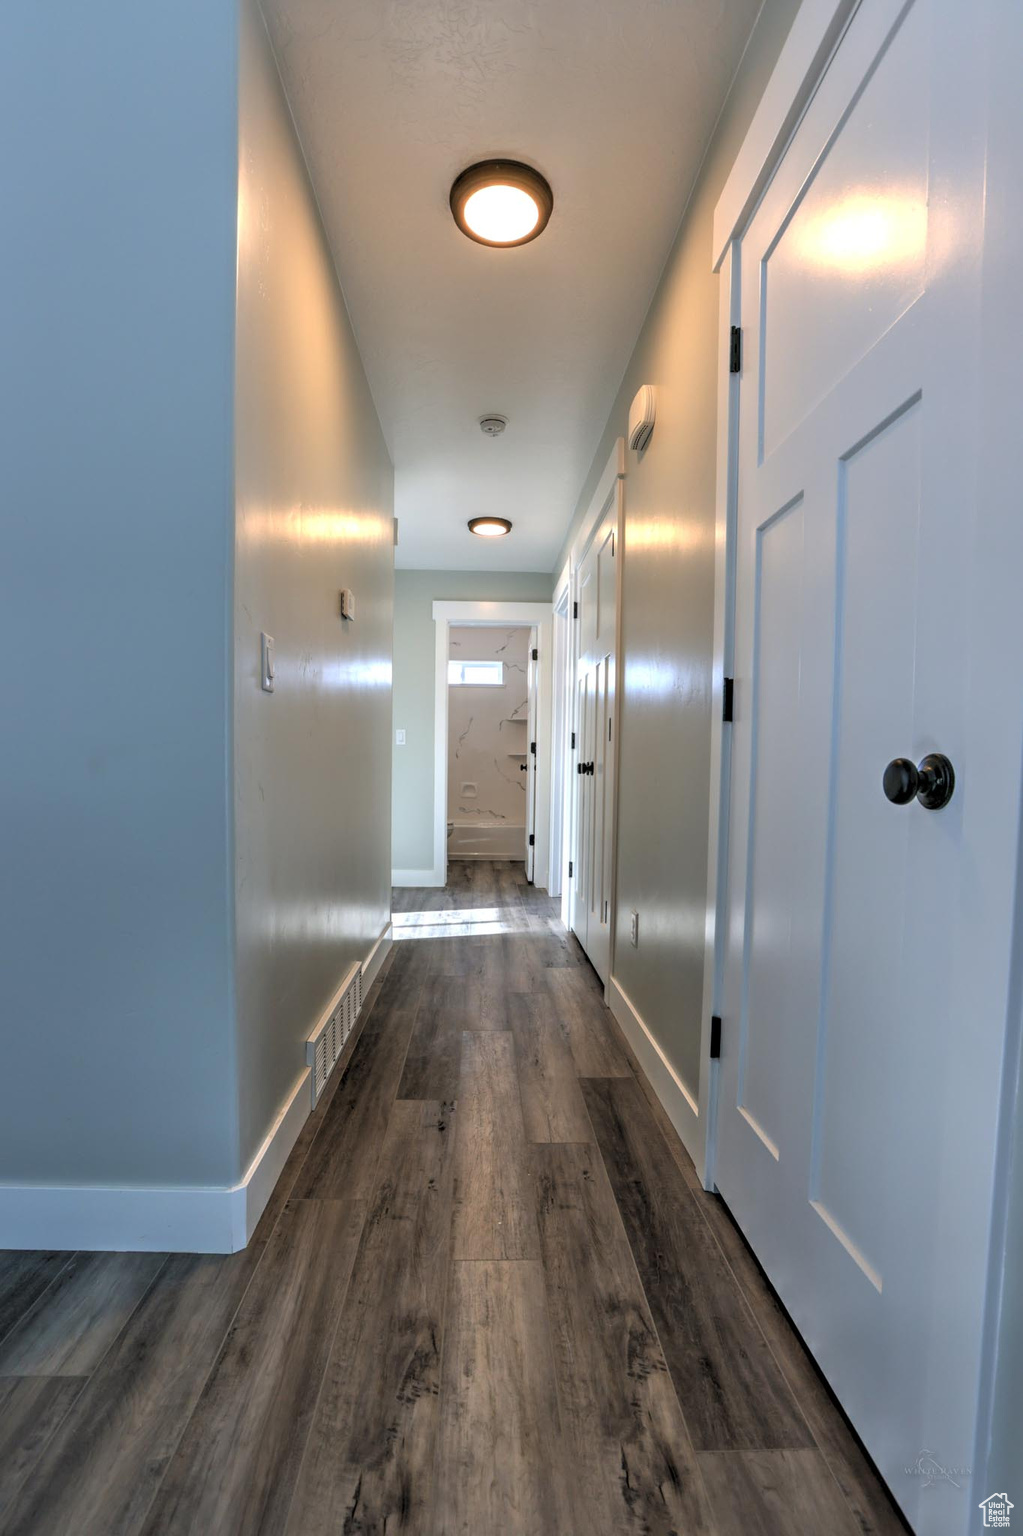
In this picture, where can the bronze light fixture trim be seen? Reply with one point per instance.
(490, 527)
(501, 202)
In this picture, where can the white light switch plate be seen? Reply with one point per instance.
(268, 661)
(399, 738)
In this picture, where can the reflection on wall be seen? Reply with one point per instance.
(314, 489)
(487, 746)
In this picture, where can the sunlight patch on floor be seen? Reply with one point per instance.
(454, 922)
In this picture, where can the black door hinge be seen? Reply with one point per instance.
(571, 867)
(532, 747)
(536, 654)
(573, 741)
(575, 610)
(735, 351)
(715, 1037)
(532, 840)
(727, 699)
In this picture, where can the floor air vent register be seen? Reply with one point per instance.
(330, 1036)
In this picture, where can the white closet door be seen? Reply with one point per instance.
(594, 869)
(862, 1033)
(532, 678)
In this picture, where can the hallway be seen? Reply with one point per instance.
(487, 1296)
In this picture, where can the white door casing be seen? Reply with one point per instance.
(560, 727)
(532, 687)
(488, 612)
(596, 590)
(864, 1000)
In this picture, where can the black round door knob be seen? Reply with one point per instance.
(931, 781)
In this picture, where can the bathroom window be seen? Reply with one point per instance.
(476, 674)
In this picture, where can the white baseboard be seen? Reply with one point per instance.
(267, 1166)
(170, 1220)
(425, 877)
(681, 1108)
(376, 957)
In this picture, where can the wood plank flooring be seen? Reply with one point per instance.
(488, 1296)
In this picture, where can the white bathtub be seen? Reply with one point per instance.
(485, 840)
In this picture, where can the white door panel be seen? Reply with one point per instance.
(593, 863)
(532, 685)
(855, 1013)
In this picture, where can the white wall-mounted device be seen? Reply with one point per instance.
(347, 603)
(268, 662)
(642, 412)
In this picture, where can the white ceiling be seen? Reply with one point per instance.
(614, 101)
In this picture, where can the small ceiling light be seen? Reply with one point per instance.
(501, 202)
(490, 527)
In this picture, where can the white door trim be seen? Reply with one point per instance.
(815, 34)
(492, 613)
(813, 38)
(560, 716)
(609, 489)
(563, 591)
(614, 470)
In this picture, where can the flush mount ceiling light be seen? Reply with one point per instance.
(490, 527)
(501, 202)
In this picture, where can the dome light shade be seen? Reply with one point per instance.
(501, 202)
(490, 527)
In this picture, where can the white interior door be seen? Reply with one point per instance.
(593, 864)
(862, 1035)
(532, 680)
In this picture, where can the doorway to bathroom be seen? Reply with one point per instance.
(491, 782)
(492, 770)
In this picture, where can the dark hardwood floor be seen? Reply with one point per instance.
(488, 1296)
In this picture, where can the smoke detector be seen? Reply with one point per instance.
(493, 425)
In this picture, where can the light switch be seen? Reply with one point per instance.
(634, 928)
(399, 738)
(268, 662)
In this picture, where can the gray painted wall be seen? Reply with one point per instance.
(414, 652)
(314, 489)
(668, 599)
(116, 316)
(156, 995)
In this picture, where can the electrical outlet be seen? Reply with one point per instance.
(634, 929)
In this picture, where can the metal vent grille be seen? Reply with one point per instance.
(328, 1039)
